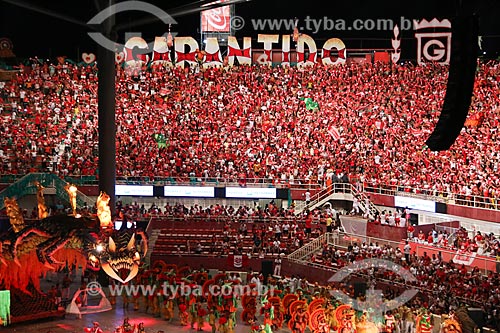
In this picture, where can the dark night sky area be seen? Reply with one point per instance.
(37, 34)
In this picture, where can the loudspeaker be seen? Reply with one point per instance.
(359, 289)
(463, 62)
(267, 269)
(441, 207)
(478, 316)
(414, 219)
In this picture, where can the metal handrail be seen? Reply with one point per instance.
(321, 195)
(308, 249)
(459, 199)
(180, 181)
(345, 188)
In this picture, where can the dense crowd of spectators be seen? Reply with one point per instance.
(447, 284)
(252, 122)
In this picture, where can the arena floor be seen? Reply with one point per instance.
(110, 320)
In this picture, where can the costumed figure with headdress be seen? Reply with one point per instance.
(94, 329)
(168, 307)
(424, 321)
(183, 311)
(267, 310)
(72, 191)
(127, 326)
(140, 328)
(42, 208)
(450, 325)
(300, 319)
(201, 313)
(277, 311)
(345, 316)
(144, 278)
(230, 313)
(192, 309)
(390, 322)
(330, 315)
(156, 303)
(407, 320)
(212, 318)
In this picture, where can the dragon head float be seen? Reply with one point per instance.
(121, 256)
(53, 243)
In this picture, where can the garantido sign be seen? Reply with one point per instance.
(433, 39)
(307, 53)
(433, 45)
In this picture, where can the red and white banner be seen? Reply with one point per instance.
(457, 256)
(237, 261)
(217, 19)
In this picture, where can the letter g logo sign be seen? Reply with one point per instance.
(141, 6)
(374, 298)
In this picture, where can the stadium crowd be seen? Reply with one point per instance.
(370, 123)
(447, 284)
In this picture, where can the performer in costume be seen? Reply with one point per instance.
(192, 309)
(268, 322)
(155, 299)
(201, 312)
(183, 313)
(140, 328)
(365, 326)
(126, 326)
(168, 308)
(94, 329)
(223, 323)
(424, 322)
(330, 315)
(300, 320)
(212, 318)
(390, 322)
(408, 320)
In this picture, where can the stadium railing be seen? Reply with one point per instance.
(459, 199)
(180, 181)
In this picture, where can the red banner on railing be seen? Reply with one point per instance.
(237, 260)
(457, 256)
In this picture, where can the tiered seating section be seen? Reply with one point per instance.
(244, 123)
(194, 237)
